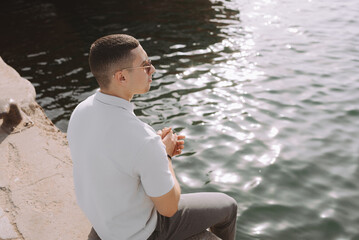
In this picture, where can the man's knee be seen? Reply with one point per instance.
(230, 202)
(234, 204)
(231, 205)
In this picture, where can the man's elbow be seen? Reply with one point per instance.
(169, 212)
(167, 205)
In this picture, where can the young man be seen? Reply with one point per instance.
(123, 174)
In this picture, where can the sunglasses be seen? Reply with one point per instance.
(147, 66)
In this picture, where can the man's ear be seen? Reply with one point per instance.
(120, 77)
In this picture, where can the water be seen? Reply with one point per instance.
(266, 92)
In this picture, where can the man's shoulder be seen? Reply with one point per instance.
(140, 129)
(81, 109)
(89, 101)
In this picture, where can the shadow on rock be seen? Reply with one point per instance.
(11, 117)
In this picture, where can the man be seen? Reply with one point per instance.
(123, 174)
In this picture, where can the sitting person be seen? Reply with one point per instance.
(123, 174)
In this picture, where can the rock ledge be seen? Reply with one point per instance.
(37, 200)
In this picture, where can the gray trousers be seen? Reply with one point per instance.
(196, 212)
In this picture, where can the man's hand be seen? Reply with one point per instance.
(164, 132)
(179, 145)
(179, 141)
(170, 141)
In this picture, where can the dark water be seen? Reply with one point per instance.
(266, 91)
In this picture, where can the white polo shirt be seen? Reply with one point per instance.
(118, 162)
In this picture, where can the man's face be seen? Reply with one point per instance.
(139, 79)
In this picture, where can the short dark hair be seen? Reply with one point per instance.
(108, 53)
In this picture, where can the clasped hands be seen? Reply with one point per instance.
(174, 143)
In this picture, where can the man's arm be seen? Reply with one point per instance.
(167, 204)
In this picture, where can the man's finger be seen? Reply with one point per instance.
(181, 137)
(179, 148)
(165, 131)
(177, 152)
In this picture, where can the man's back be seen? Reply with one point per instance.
(112, 152)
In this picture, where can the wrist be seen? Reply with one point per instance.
(169, 157)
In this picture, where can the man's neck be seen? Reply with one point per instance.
(127, 97)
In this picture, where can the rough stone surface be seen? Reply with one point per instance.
(1, 212)
(36, 183)
(6, 229)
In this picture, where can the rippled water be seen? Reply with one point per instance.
(266, 92)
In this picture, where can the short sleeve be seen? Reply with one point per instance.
(152, 168)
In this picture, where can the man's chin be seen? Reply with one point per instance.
(144, 91)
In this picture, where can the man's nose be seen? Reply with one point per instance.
(153, 69)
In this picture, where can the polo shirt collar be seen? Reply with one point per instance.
(114, 101)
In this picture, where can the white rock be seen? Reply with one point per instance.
(7, 230)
